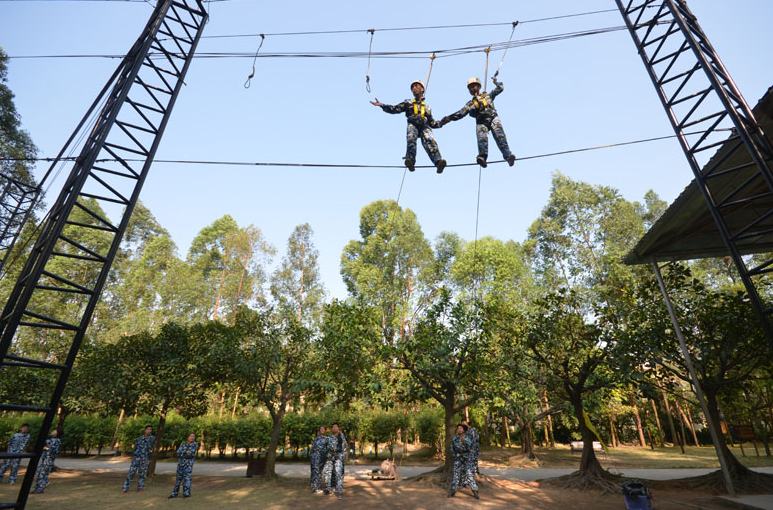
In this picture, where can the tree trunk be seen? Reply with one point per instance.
(682, 419)
(670, 418)
(737, 470)
(277, 417)
(159, 437)
(527, 446)
(636, 416)
(375, 448)
(657, 422)
(612, 431)
(450, 427)
(692, 425)
(117, 427)
(236, 400)
(685, 420)
(589, 464)
(503, 432)
(487, 430)
(550, 420)
(222, 405)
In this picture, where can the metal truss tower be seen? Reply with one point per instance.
(17, 200)
(708, 112)
(107, 175)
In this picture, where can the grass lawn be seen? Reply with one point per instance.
(624, 457)
(78, 490)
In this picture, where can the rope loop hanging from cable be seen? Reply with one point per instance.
(254, 60)
(515, 24)
(485, 74)
(429, 72)
(370, 46)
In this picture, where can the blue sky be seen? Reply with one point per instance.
(562, 95)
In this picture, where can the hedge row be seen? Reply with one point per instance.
(92, 434)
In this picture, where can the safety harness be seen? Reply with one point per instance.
(419, 105)
(482, 98)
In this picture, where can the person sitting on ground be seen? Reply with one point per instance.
(388, 469)
(419, 123)
(481, 108)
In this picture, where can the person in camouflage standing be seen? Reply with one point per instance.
(419, 123)
(16, 444)
(474, 438)
(460, 451)
(334, 464)
(186, 455)
(47, 460)
(481, 108)
(142, 448)
(317, 459)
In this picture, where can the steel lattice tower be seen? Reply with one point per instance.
(704, 105)
(108, 174)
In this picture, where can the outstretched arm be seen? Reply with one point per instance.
(398, 108)
(458, 114)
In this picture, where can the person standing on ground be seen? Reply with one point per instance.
(47, 460)
(419, 123)
(481, 108)
(186, 455)
(460, 451)
(474, 438)
(317, 459)
(334, 465)
(16, 444)
(142, 448)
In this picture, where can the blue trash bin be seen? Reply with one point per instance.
(637, 496)
(638, 502)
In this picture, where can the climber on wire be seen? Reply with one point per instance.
(481, 108)
(420, 122)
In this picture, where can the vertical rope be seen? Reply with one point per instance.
(251, 76)
(429, 72)
(515, 24)
(485, 79)
(370, 46)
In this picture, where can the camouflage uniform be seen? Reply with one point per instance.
(46, 463)
(420, 121)
(481, 108)
(474, 438)
(142, 448)
(463, 475)
(186, 454)
(334, 464)
(15, 445)
(317, 459)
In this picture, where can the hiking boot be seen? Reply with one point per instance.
(451, 494)
(475, 495)
(410, 164)
(441, 165)
(511, 159)
(481, 160)
(339, 495)
(172, 496)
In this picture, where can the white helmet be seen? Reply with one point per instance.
(414, 82)
(472, 80)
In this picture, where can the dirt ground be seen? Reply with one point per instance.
(77, 490)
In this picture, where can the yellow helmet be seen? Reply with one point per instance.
(472, 80)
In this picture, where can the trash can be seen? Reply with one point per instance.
(637, 495)
(256, 466)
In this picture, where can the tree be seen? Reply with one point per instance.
(162, 370)
(296, 285)
(281, 367)
(573, 354)
(387, 268)
(725, 343)
(448, 359)
(17, 152)
(230, 259)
